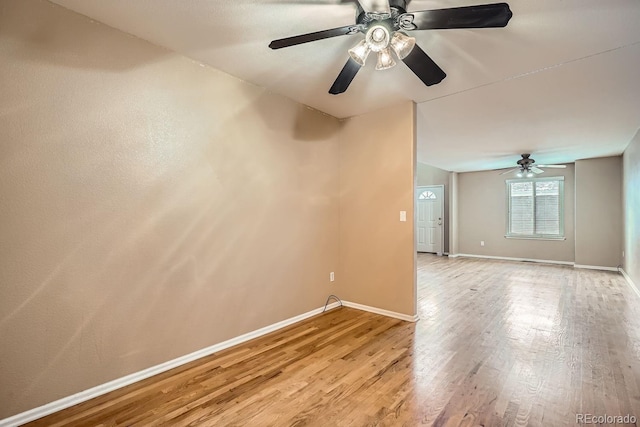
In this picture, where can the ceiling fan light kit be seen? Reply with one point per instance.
(402, 44)
(524, 173)
(385, 60)
(378, 38)
(360, 52)
(382, 22)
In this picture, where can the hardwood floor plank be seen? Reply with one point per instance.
(498, 344)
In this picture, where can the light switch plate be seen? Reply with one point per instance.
(403, 216)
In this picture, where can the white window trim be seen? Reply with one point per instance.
(561, 235)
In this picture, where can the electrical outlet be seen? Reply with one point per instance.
(481, 242)
(332, 277)
(403, 216)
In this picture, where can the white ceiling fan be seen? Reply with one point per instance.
(527, 169)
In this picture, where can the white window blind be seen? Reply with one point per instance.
(535, 208)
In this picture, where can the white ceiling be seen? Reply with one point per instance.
(560, 81)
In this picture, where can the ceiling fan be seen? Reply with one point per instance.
(527, 169)
(383, 23)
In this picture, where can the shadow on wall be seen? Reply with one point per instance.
(309, 128)
(43, 35)
(146, 216)
(310, 125)
(155, 227)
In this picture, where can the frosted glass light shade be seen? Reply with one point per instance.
(378, 38)
(402, 44)
(360, 52)
(385, 60)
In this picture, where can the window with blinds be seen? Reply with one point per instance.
(536, 208)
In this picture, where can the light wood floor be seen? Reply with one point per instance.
(498, 343)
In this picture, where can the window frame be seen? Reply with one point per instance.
(561, 234)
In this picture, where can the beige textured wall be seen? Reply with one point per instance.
(377, 251)
(631, 195)
(149, 207)
(482, 214)
(431, 175)
(599, 212)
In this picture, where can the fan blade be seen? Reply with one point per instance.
(345, 77)
(480, 16)
(509, 171)
(424, 67)
(553, 166)
(311, 37)
(375, 6)
(536, 170)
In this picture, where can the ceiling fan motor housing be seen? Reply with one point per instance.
(525, 161)
(397, 7)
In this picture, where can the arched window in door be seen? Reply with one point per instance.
(426, 194)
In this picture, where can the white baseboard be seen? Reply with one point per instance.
(595, 267)
(381, 311)
(630, 282)
(83, 396)
(544, 261)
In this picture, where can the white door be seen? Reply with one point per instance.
(430, 218)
